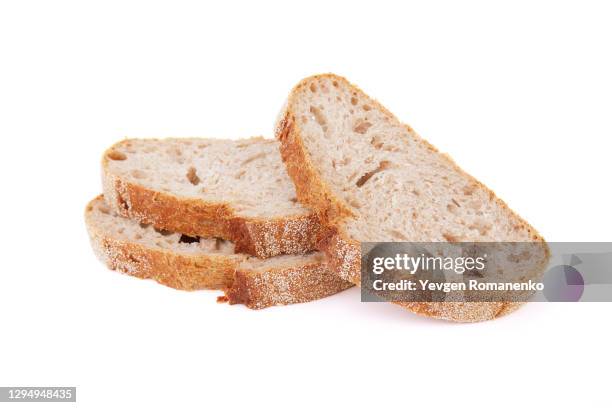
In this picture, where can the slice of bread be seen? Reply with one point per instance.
(373, 179)
(233, 189)
(186, 263)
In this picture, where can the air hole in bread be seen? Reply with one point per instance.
(362, 127)
(335, 84)
(517, 258)
(255, 157)
(104, 209)
(340, 163)
(319, 117)
(176, 153)
(123, 202)
(366, 107)
(163, 232)
(453, 206)
(186, 239)
(353, 202)
(475, 204)
(138, 174)
(398, 235)
(469, 189)
(240, 174)
(137, 236)
(382, 166)
(143, 225)
(115, 155)
(482, 227)
(416, 192)
(241, 145)
(376, 142)
(450, 237)
(354, 101)
(313, 88)
(192, 176)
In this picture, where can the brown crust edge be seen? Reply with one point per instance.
(263, 238)
(195, 272)
(284, 286)
(311, 190)
(343, 254)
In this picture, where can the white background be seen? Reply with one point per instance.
(520, 95)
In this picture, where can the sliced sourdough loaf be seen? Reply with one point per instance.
(188, 263)
(373, 179)
(233, 189)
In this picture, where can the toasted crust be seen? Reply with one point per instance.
(256, 289)
(311, 189)
(195, 217)
(343, 253)
(259, 289)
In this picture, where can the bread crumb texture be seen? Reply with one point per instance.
(236, 190)
(371, 178)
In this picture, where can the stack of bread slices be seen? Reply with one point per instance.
(209, 214)
(275, 222)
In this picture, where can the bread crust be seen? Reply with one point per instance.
(261, 237)
(304, 283)
(311, 190)
(343, 253)
(256, 289)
